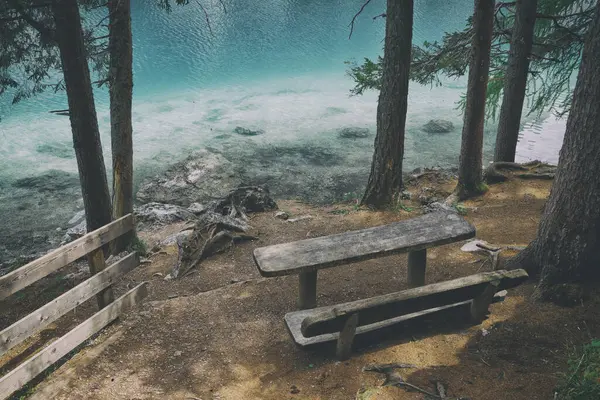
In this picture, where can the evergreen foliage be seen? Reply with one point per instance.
(559, 31)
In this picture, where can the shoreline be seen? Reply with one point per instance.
(321, 169)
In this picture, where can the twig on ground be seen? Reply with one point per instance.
(392, 378)
(441, 389)
(385, 368)
(488, 248)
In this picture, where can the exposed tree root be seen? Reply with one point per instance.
(533, 170)
(221, 225)
(492, 173)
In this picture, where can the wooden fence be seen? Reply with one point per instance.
(99, 284)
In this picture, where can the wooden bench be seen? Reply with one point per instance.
(343, 321)
(99, 285)
(413, 236)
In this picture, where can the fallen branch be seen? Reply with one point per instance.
(385, 368)
(60, 112)
(548, 176)
(490, 250)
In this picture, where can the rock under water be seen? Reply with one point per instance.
(201, 177)
(248, 132)
(438, 126)
(51, 181)
(353, 133)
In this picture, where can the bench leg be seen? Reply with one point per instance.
(308, 290)
(344, 343)
(480, 304)
(417, 261)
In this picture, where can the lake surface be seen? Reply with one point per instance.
(274, 65)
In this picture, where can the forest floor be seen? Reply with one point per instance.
(219, 332)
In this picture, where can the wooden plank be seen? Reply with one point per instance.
(419, 233)
(42, 317)
(43, 266)
(293, 321)
(28, 370)
(392, 305)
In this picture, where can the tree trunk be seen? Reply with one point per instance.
(386, 169)
(470, 180)
(82, 113)
(121, 89)
(515, 81)
(565, 250)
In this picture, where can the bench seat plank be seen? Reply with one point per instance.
(380, 308)
(293, 321)
(419, 233)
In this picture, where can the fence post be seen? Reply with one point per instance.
(97, 263)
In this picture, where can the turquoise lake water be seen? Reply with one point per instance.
(275, 65)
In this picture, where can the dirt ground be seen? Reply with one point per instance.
(219, 332)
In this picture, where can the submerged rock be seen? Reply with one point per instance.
(438, 126)
(51, 181)
(201, 177)
(56, 149)
(248, 132)
(353, 133)
(160, 213)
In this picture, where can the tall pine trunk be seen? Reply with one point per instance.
(566, 249)
(515, 81)
(386, 169)
(470, 180)
(121, 90)
(82, 112)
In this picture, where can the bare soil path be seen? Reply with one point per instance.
(219, 333)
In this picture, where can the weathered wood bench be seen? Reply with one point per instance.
(413, 236)
(343, 321)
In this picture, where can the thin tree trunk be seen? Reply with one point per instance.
(470, 180)
(565, 250)
(386, 169)
(82, 113)
(515, 81)
(121, 89)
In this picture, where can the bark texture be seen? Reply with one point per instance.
(385, 178)
(121, 90)
(82, 113)
(515, 81)
(566, 249)
(470, 180)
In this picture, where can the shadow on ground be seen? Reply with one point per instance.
(224, 336)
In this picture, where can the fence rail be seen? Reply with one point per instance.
(99, 284)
